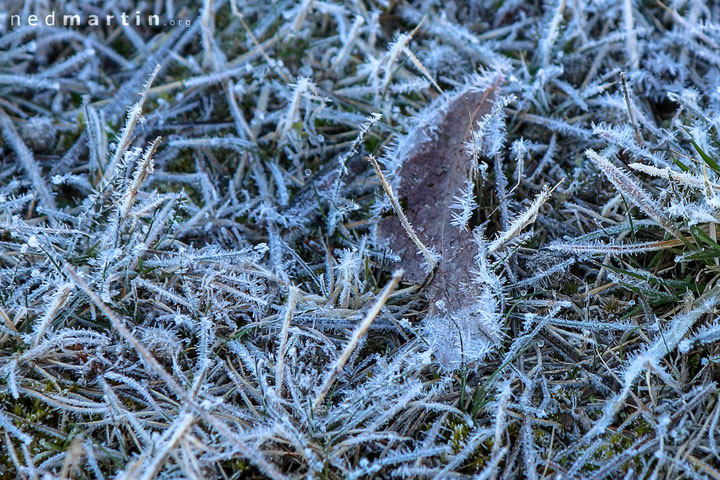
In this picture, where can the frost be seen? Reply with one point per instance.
(33, 242)
(465, 205)
(311, 239)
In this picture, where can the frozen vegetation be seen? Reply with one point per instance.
(360, 239)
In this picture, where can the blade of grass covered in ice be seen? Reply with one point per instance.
(27, 160)
(629, 186)
(284, 334)
(134, 116)
(664, 343)
(58, 300)
(614, 230)
(357, 335)
(551, 33)
(683, 177)
(599, 248)
(522, 220)
(231, 143)
(254, 457)
(30, 82)
(650, 278)
(630, 38)
(430, 258)
(142, 171)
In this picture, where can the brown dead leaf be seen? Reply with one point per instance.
(432, 174)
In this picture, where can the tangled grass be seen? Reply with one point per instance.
(193, 283)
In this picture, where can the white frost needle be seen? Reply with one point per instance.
(465, 206)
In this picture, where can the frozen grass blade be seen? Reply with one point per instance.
(631, 38)
(430, 258)
(27, 160)
(284, 334)
(522, 221)
(359, 332)
(134, 116)
(628, 186)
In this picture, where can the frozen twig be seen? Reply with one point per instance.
(430, 258)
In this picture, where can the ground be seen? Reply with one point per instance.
(359, 239)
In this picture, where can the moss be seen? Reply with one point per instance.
(292, 51)
(29, 411)
(458, 435)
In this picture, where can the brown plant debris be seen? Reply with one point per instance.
(433, 174)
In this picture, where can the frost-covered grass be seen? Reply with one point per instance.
(195, 281)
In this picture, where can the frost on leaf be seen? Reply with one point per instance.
(462, 323)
